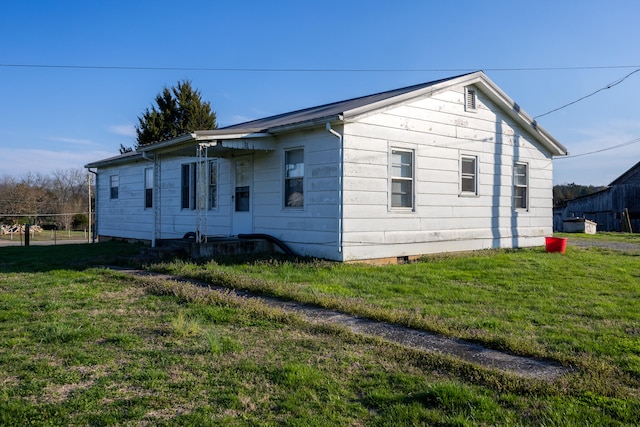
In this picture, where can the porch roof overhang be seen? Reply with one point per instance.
(132, 156)
(216, 141)
(219, 141)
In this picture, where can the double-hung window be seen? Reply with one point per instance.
(401, 178)
(114, 183)
(199, 182)
(469, 175)
(148, 187)
(520, 186)
(294, 178)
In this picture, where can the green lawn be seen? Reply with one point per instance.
(581, 308)
(80, 344)
(47, 235)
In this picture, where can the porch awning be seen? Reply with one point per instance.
(214, 141)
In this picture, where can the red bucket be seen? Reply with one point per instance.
(556, 244)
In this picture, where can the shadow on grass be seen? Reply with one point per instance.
(31, 259)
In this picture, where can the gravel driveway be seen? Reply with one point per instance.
(592, 243)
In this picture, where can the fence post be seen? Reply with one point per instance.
(627, 221)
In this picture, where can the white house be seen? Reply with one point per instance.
(449, 165)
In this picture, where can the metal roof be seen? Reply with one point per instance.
(122, 158)
(328, 110)
(626, 175)
(343, 110)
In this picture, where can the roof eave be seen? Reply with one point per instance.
(320, 121)
(517, 113)
(429, 90)
(173, 143)
(126, 158)
(494, 92)
(218, 135)
(624, 176)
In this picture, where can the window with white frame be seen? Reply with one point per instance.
(213, 183)
(114, 183)
(401, 178)
(148, 187)
(470, 99)
(294, 178)
(468, 175)
(520, 186)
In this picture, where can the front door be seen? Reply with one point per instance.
(241, 197)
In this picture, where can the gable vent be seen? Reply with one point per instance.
(470, 99)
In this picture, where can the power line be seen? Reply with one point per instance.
(609, 86)
(307, 70)
(624, 144)
(363, 70)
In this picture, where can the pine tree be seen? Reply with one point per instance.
(178, 110)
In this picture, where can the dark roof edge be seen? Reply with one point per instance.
(122, 158)
(622, 177)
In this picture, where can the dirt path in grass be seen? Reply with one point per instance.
(417, 339)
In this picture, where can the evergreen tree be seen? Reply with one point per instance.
(178, 110)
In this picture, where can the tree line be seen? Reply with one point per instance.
(59, 199)
(564, 192)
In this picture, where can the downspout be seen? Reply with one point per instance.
(95, 211)
(154, 216)
(340, 183)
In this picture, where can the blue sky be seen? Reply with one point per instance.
(58, 118)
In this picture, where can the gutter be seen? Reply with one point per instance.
(93, 235)
(340, 182)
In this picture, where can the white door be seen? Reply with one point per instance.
(241, 196)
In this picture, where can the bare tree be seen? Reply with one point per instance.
(70, 193)
(63, 192)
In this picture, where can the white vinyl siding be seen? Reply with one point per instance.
(439, 132)
(347, 186)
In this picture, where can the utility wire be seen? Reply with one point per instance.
(609, 86)
(624, 144)
(366, 70)
(306, 70)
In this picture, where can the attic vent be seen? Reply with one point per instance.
(470, 99)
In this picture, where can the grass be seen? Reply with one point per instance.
(47, 235)
(80, 344)
(581, 308)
